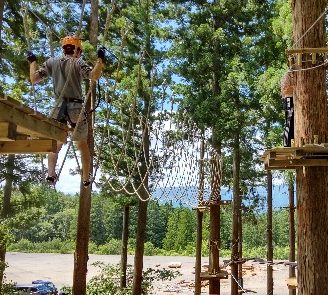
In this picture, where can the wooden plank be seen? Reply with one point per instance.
(297, 163)
(307, 50)
(26, 109)
(32, 125)
(222, 274)
(38, 146)
(7, 131)
(298, 154)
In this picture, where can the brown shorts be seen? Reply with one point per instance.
(68, 113)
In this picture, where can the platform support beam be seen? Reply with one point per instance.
(7, 131)
(36, 146)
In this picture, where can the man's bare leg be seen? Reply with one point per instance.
(85, 159)
(52, 161)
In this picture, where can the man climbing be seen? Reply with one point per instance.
(287, 89)
(67, 74)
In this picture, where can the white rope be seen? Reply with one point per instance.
(240, 287)
(308, 69)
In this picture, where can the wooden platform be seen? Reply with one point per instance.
(25, 131)
(222, 274)
(295, 157)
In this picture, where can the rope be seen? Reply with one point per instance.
(41, 20)
(49, 35)
(308, 30)
(308, 69)
(240, 287)
(108, 19)
(62, 165)
(78, 32)
(24, 11)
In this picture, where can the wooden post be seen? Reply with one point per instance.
(214, 262)
(309, 30)
(240, 245)
(236, 219)
(291, 232)
(198, 263)
(269, 234)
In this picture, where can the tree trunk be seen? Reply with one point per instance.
(6, 210)
(312, 182)
(124, 252)
(240, 247)
(145, 145)
(7, 190)
(143, 205)
(83, 224)
(214, 261)
(291, 232)
(269, 235)
(199, 237)
(139, 252)
(235, 257)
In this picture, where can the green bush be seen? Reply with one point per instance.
(53, 246)
(112, 247)
(108, 281)
(150, 249)
(22, 245)
(281, 253)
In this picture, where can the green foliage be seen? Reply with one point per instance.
(180, 229)
(44, 229)
(112, 247)
(108, 281)
(8, 288)
(52, 246)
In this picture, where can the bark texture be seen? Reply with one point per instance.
(83, 224)
(124, 251)
(235, 254)
(312, 182)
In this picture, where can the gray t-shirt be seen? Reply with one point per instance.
(61, 69)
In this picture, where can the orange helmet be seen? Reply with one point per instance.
(71, 40)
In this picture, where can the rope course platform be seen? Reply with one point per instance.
(26, 131)
(298, 56)
(205, 207)
(310, 155)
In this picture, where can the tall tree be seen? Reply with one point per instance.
(83, 227)
(311, 119)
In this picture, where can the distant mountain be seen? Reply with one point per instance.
(187, 195)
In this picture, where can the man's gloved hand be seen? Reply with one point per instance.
(30, 56)
(101, 53)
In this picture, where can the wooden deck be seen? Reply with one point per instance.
(25, 131)
(296, 157)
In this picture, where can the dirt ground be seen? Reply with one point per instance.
(58, 268)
